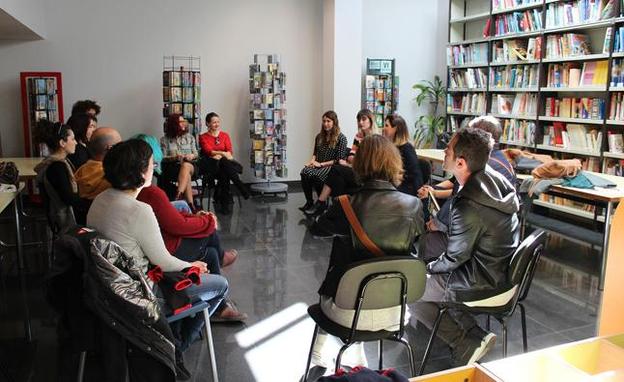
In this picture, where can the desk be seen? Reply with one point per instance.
(25, 166)
(6, 198)
(601, 197)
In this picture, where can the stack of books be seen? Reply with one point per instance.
(573, 136)
(517, 131)
(560, 14)
(592, 73)
(468, 78)
(567, 45)
(584, 108)
(466, 103)
(524, 104)
(467, 54)
(517, 22)
(616, 107)
(519, 76)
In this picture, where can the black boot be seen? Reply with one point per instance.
(307, 205)
(182, 373)
(317, 209)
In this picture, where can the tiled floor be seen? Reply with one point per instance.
(279, 269)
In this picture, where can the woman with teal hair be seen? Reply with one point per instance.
(155, 145)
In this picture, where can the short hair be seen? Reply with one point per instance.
(402, 133)
(82, 107)
(210, 116)
(51, 133)
(488, 123)
(378, 159)
(474, 146)
(79, 124)
(172, 125)
(365, 113)
(125, 164)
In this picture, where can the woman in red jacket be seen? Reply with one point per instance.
(218, 159)
(191, 238)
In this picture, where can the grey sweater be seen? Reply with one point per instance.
(133, 225)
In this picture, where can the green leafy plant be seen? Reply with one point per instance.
(428, 127)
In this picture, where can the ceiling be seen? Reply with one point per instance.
(11, 29)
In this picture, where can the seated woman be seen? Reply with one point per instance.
(83, 126)
(116, 214)
(378, 165)
(396, 130)
(341, 178)
(179, 150)
(330, 146)
(55, 176)
(218, 160)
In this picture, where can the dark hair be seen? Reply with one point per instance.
(82, 107)
(402, 133)
(474, 145)
(172, 125)
(79, 123)
(125, 164)
(50, 133)
(331, 137)
(210, 116)
(488, 123)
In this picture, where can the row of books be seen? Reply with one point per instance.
(181, 77)
(182, 94)
(460, 55)
(615, 142)
(458, 122)
(524, 104)
(567, 45)
(518, 131)
(190, 111)
(616, 107)
(584, 108)
(618, 42)
(465, 103)
(614, 167)
(593, 73)
(517, 49)
(42, 86)
(468, 78)
(573, 136)
(501, 5)
(527, 21)
(568, 13)
(617, 73)
(518, 76)
(379, 81)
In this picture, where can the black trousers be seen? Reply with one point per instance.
(341, 179)
(309, 185)
(224, 171)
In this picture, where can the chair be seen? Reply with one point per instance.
(502, 307)
(379, 283)
(208, 183)
(199, 307)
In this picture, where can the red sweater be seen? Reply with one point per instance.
(174, 225)
(208, 143)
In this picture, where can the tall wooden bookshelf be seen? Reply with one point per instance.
(490, 39)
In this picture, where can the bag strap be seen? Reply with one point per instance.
(509, 169)
(357, 227)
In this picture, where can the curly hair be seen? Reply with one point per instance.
(378, 159)
(172, 126)
(51, 133)
(126, 162)
(82, 107)
(331, 137)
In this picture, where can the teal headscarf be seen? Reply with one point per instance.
(157, 152)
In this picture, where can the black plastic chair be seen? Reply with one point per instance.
(520, 274)
(379, 283)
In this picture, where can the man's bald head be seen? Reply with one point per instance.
(101, 141)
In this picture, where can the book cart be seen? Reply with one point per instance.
(381, 88)
(267, 123)
(551, 71)
(182, 90)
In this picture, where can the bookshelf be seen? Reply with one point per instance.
(569, 52)
(267, 127)
(42, 98)
(182, 90)
(381, 88)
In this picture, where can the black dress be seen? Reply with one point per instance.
(412, 177)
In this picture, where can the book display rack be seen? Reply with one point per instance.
(268, 127)
(554, 76)
(42, 98)
(182, 89)
(381, 88)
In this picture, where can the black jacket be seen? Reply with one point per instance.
(391, 219)
(413, 176)
(482, 237)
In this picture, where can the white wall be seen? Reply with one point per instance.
(111, 51)
(415, 33)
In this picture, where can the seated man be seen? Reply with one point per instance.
(483, 233)
(90, 176)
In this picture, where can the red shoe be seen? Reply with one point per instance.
(229, 257)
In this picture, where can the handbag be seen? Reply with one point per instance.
(557, 169)
(9, 174)
(357, 227)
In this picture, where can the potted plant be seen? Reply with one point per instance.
(428, 127)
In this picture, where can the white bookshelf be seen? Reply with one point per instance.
(582, 121)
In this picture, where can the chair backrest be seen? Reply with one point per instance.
(524, 261)
(380, 293)
(425, 169)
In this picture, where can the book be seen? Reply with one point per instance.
(616, 143)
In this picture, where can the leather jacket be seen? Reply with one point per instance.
(483, 234)
(390, 218)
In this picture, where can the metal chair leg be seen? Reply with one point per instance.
(504, 339)
(410, 355)
(305, 375)
(339, 356)
(487, 323)
(210, 345)
(380, 354)
(81, 365)
(525, 346)
(434, 330)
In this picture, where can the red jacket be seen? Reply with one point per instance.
(208, 143)
(174, 225)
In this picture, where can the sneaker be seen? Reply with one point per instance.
(229, 257)
(473, 348)
(306, 206)
(316, 209)
(229, 314)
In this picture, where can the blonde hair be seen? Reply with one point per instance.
(378, 159)
(331, 137)
(402, 133)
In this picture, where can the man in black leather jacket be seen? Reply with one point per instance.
(483, 234)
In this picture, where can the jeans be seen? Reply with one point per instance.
(181, 206)
(201, 249)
